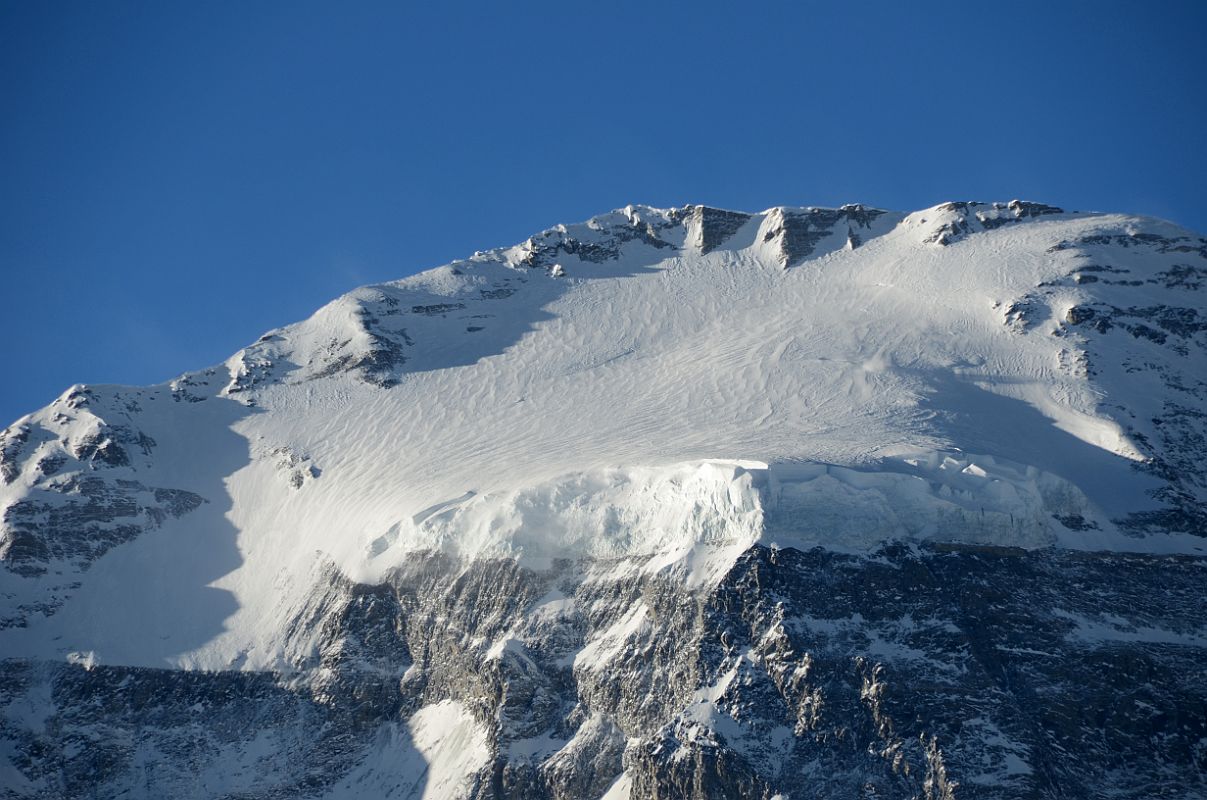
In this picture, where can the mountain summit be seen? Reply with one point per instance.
(671, 503)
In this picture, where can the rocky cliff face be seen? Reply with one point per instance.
(680, 503)
(937, 672)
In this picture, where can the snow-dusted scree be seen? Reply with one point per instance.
(671, 503)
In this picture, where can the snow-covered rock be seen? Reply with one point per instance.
(549, 521)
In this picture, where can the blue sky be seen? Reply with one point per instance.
(177, 178)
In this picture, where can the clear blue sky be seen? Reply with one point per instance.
(178, 177)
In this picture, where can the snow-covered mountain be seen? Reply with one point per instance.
(671, 503)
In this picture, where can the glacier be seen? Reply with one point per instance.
(542, 446)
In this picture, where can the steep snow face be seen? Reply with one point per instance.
(438, 760)
(608, 514)
(668, 386)
(712, 507)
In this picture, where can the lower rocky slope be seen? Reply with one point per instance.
(914, 672)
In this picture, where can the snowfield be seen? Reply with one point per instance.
(655, 388)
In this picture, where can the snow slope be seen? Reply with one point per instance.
(661, 388)
(441, 752)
